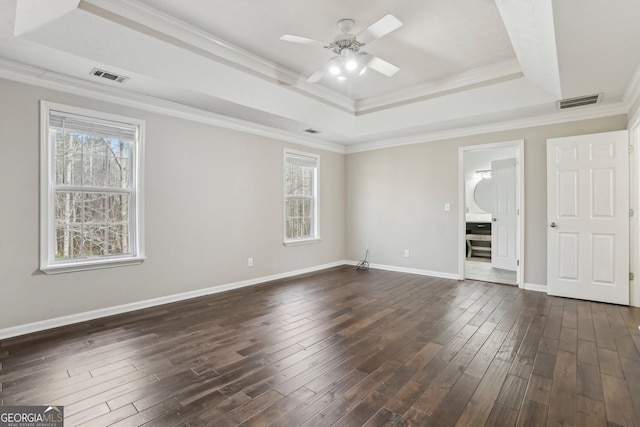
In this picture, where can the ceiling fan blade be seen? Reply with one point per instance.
(318, 75)
(303, 40)
(378, 29)
(382, 66)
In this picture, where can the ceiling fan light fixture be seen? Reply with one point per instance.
(349, 61)
(351, 64)
(335, 67)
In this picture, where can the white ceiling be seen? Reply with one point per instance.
(464, 64)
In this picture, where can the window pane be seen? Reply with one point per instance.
(95, 207)
(95, 240)
(68, 207)
(95, 171)
(118, 208)
(69, 169)
(299, 181)
(94, 146)
(118, 239)
(68, 242)
(118, 172)
(300, 195)
(119, 148)
(298, 219)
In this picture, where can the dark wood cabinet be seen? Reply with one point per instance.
(478, 239)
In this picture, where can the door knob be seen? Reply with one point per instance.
(553, 225)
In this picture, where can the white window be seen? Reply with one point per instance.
(91, 189)
(300, 197)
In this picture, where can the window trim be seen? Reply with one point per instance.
(315, 200)
(48, 263)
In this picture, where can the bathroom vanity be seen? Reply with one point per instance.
(478, 238)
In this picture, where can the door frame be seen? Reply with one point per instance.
(518, 144)
(634, 221)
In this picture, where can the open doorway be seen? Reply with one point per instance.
(492, 212)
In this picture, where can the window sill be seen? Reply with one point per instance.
(70, 267)
(301, 241)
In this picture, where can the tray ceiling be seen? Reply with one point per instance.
(462, 64)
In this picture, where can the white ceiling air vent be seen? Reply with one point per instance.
(578, 101)
(109, 76)
(311, 130)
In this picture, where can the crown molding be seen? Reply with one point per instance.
(142, 18)
(631, 97)
(15, 71)
(533, 121)
(22, 73)
(479, 76)
(632, 92)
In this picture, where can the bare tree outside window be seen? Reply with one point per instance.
(300, 174)
(92, 176)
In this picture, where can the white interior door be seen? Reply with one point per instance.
(504, 215)
(588, 217)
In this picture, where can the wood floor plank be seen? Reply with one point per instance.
(532, 414)
(586, 330)
(604, 335)
(610, 363)
(512, 392)
(631, 368)
(452, 406)
(479, 407)
(341, 347)
(589, 382)
(588, 352)
(501, 416)
(618, 403)
(590, 413)
(562, 403)
(539, 389)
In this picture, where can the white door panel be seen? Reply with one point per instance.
(588, 217)
(505, 221)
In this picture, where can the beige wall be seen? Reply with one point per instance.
(396, 197)
(213, 198)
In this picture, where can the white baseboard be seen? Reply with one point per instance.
(43, 325)
(535, 287)
(440, 274)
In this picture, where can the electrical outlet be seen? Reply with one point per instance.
(406, 253)
(249, 262)
(447, 207)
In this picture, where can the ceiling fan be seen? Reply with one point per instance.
(349, 60)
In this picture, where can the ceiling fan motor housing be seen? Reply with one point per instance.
(345, 41)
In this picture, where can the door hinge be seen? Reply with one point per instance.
(518, 262)
(630, 276)
(630, 148)
(631, 212)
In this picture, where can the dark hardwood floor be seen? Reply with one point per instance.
(345, 348)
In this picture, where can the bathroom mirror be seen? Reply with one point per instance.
(483, 194)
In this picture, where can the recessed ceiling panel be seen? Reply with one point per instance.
(438, 39)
